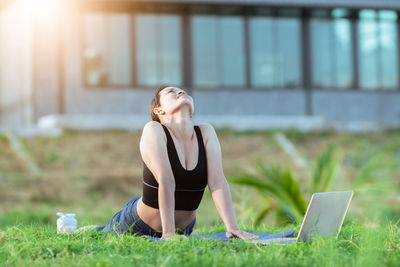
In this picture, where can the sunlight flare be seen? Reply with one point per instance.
(39, 10)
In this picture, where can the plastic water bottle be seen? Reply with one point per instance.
(66, 224)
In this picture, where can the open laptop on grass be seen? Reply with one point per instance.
(324, 216)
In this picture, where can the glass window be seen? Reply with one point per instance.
(368, 42)
(205, 51)
(218, 51)
(340, 13)
(232, 51)
(107, 50)
(344, 75)
(275, 52)
(322, 51)
(158, 49)
(388, 49)
(331, 51)
(262, 59)
(377, 32)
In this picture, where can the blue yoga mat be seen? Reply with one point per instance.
(222, 236)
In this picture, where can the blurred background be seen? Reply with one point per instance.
(312, 86)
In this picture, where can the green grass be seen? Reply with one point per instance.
(80, 174)
(39, 245)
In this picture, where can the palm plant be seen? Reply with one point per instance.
(377, 167)
(276, 183)
(281, 191)
(325, 170)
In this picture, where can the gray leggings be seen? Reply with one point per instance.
(127, 220)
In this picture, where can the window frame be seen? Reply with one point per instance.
(134, 49)
(331, 19)
(131, 12)
(274, 13)
(377, 20)
(83, 48)
(186, 11)
(220, 14)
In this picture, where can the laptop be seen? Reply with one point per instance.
(324, 217)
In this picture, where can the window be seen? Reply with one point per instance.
(275, 51)
(107, 54)
(158, 50)
(331, 51)
(218, 51)
(377, 32)
(221, 39)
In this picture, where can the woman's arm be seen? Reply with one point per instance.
(219, 186)
(154, 153)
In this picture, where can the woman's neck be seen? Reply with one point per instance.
(181, 127)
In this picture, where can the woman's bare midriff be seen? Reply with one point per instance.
(151, 216)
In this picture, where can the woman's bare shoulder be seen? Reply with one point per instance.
(152, 130)
(207, 131)
(206, 127)
(152, 125)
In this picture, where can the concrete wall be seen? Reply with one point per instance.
(246, 102)
(15, 69)
(383, 107)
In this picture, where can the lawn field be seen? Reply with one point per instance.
(93, 174)
(37, 245)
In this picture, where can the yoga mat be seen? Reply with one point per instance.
(222, 236)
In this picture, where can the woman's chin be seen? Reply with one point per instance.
(187, 104)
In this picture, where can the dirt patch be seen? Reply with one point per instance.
(9, 162)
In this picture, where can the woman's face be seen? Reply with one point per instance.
(172, 98)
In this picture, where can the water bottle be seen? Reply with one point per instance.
(66, 224)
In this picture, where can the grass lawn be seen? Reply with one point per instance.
(39, 245)
(93, 174)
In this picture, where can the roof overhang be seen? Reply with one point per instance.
(357, 4)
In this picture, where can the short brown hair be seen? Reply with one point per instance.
(156, 102)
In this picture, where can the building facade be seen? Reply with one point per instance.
(337, 59)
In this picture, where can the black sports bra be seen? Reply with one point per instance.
(189, 184)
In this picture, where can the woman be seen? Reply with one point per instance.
(180, 160)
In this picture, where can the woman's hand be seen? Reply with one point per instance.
(240, 234)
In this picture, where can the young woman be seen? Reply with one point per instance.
(179, 161)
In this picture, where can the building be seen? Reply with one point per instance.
(244, 58)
